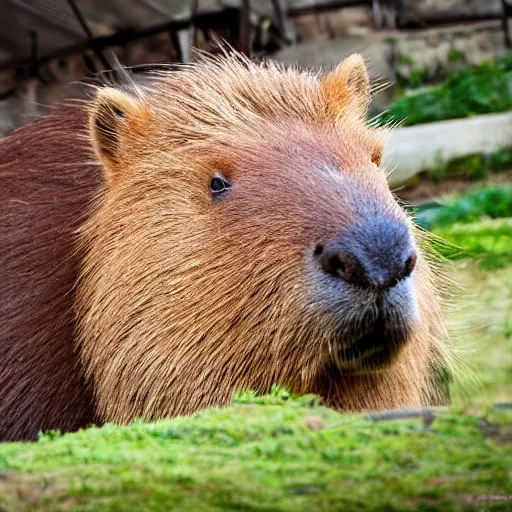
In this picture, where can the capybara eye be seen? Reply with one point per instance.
(219, 186)
(119, 113)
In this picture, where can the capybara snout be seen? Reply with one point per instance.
(362, 272)
(370, 267)
(322, 214)
(377, 254)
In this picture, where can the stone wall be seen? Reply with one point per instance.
(429, 55)
(422, 12)
(406, 58)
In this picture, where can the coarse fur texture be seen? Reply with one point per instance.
(179, 298)
(47, 178)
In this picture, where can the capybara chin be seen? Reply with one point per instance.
(226, 227)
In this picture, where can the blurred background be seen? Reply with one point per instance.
(449, 68)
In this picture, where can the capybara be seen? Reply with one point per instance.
(224, 227)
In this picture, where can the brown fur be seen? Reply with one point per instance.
(180, 301)
(45, 185)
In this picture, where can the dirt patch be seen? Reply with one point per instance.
(25, 491)
(482, 499)
(424, 190)
(495, 432)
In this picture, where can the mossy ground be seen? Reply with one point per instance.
(283, 453)
(265, 457)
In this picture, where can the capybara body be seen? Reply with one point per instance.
(227, 227)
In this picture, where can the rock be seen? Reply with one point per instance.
(328, 25)
(427, 146)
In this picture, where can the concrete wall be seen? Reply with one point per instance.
(417, 148)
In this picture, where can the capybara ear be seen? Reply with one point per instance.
(115, 119)
(348, 87)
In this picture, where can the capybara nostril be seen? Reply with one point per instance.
(410, 264)
(401, 273)
(319, 249)
(336, 262)
(377, 254)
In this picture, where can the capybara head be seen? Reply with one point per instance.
(246, 236)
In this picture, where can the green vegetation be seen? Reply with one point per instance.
(284, 453)
(470, 91)
(476, 224)
(473, 166)
(500, 160)
(455, 55)
(481, 325)
(479, 202)
(405, 60)
(283, 456)
(489, 241)
(417, 77)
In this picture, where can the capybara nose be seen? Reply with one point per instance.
(377, 254)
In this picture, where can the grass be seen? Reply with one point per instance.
(481, 325)
(476, 224)
(487, 241)
(483, 89)
(284, 453)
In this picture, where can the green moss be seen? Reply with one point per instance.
(260, 457)
(277, 396)
(471, 91)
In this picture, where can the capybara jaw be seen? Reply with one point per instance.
(376, 347)
(370, 325)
